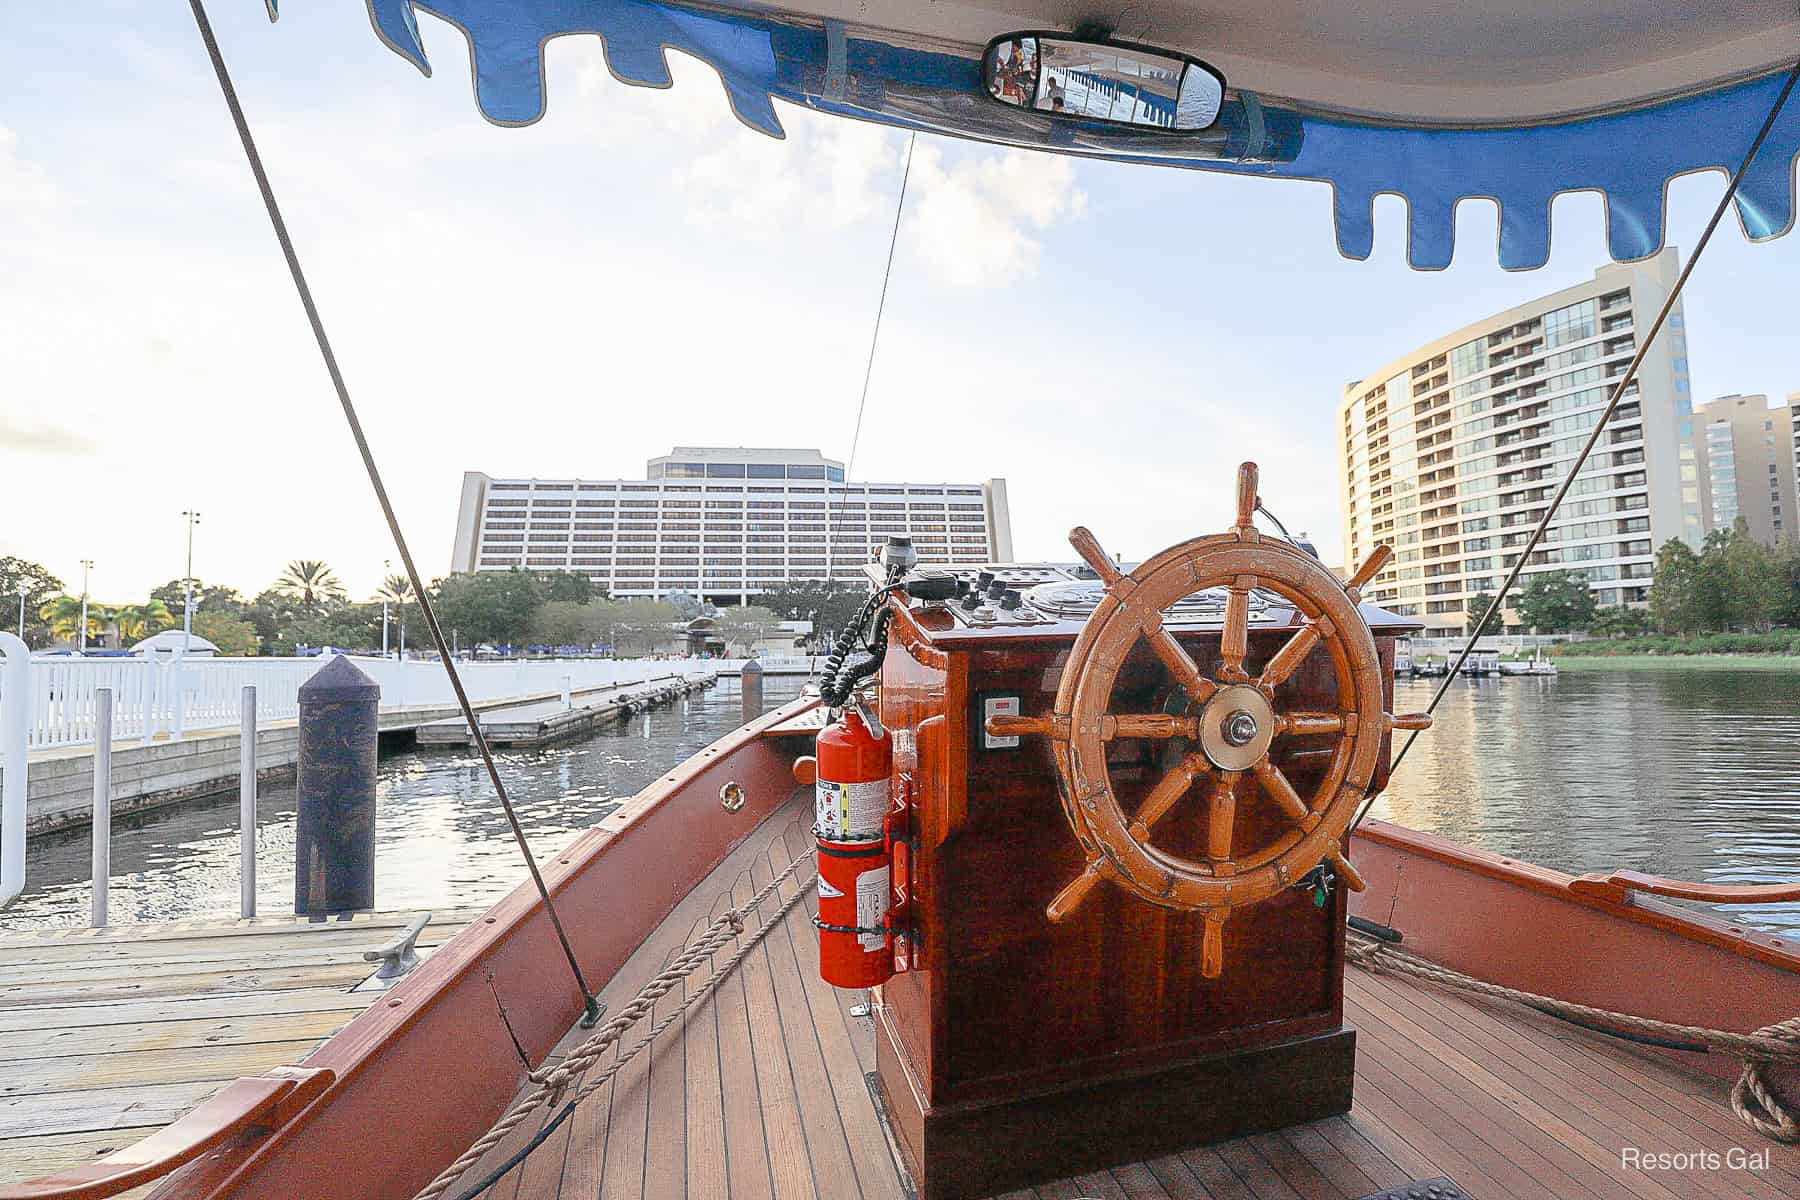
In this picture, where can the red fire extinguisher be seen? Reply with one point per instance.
(855, 760)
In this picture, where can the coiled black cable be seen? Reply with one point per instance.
(841, 673)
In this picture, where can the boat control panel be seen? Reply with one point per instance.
(1001, 595)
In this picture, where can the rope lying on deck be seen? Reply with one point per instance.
(1752, 1099)
(551, 1080)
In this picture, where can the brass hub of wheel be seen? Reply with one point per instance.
(1237, 727)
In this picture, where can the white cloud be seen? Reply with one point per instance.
(974, 221)
(27, 195)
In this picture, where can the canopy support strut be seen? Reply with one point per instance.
(591, 1007)
(1612, 403)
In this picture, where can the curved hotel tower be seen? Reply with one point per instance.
(1452, 452)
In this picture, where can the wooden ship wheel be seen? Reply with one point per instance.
(1232, 722)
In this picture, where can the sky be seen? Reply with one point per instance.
(639, 271)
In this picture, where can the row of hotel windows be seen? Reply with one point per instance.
(539, 491)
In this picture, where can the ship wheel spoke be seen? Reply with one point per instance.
(1156, 805)
(1283, 793)
(1302, 724)
(1234, 637)
(1168, 790)
(1287, 660)
(1181, 665)
(1221, 815)
(1148, 725)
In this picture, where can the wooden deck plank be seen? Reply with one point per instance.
(840, 1039)
(175, 1009)
(746, 1147)
(1303, 1174)
(822, 1124)
(1264, 1181)
(1177, 1178)
(665, 1149)
(1548, 1080)
(1216, 1175)
(789, 1167)
(1139, 1182)
(705, 1099)
(1378, 1166)
(79, 1040)
(1458, 1151)
(1565, 1149)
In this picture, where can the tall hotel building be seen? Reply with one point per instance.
(1452, 452)
(723, 523)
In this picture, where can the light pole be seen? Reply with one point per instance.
(87, 564)
(187, 589)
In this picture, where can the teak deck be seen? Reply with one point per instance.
(107, 1034)
(764, 1094)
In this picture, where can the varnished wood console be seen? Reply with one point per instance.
(1013, 1049)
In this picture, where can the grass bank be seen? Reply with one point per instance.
(1678, 662)
(1776, 644)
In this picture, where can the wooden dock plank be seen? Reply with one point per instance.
(106, 1035)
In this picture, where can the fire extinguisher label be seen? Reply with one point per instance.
(826, 891)
(851, 811)
(872, 907)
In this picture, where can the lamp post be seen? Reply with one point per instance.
(87, 564)
(187, 589)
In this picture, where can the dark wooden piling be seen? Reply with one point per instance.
(334, 837)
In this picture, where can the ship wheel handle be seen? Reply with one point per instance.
(1233, 724)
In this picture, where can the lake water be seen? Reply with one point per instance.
(1692, 773)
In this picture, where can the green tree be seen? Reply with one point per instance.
(346, 627)
(1787, 612)
(745, 626)
(1754, 579)
(1673, 605)
(18, 577)
(135, 622)
(1474, 607)
(1557, 602)
(63, 617)
(312, 585)
(217, 598)
(562, 623)
(830, 606)
(230, 634)
(489, 606)
(643, 625)
(1617, 621)
(564, 585)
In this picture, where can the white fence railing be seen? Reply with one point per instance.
(152, 698)
(774, 665)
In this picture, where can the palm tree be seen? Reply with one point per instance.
(398, 590)
(311, 583)
(136, 622)
(63, 615)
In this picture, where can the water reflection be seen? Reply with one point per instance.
(1687, 773)
(1691, 773)
(441, 838)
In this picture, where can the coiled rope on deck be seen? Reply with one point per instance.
(1752, 1099)
(551, 1080)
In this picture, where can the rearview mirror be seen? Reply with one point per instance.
(1103, 80)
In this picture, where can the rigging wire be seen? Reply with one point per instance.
(591, 1007)
(847, 635)
(1612, 403)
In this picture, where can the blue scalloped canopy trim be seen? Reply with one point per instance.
(1628, 157)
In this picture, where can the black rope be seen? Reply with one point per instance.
(590, 1004)
(1612, 403)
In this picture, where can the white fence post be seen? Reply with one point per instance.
(247, 805)
(101, 824)
(15, 714)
